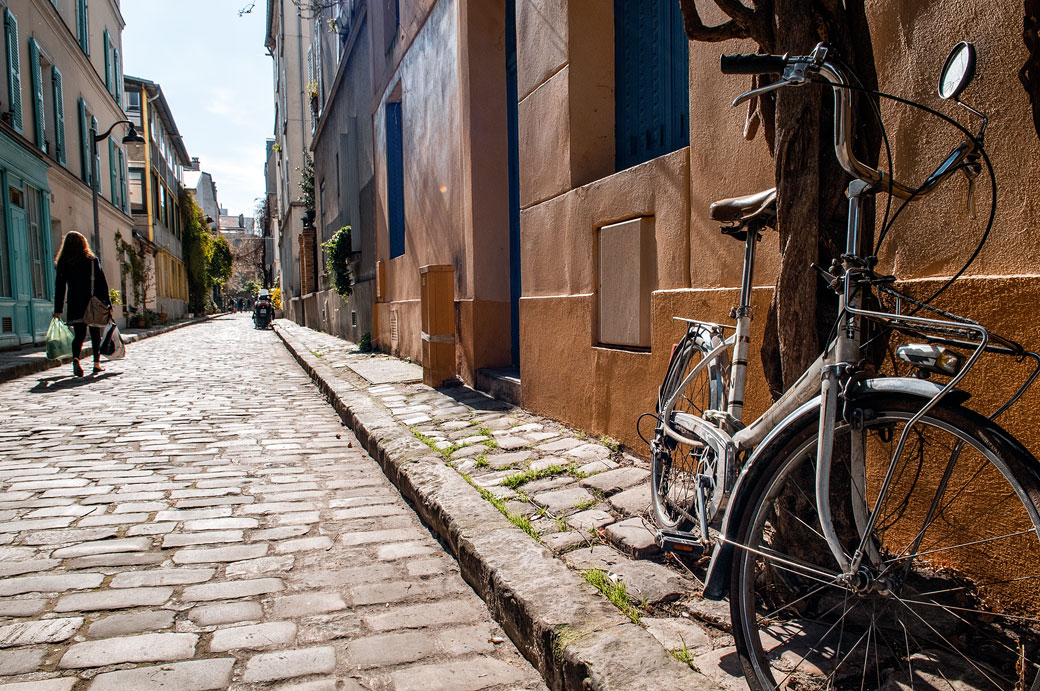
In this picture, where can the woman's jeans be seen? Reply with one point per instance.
(79, 334)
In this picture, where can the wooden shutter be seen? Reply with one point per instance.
(119, 78)
(107, 43)
(97, 154)
(36, 78)
(651, 80)
(14, 70)
(113, 191)
(395, 178)
(59, 115)
(84, 38)
(84, 141)
(124, 204)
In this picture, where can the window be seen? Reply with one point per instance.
(395, 177)
(651, 81)
(14, 70)
(59, 115)
(137, 189)
(37, 248)
(133, 101)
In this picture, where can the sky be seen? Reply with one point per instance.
(216, 76)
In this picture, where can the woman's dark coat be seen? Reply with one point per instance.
(77, 278)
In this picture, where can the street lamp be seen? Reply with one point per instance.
(132, 137)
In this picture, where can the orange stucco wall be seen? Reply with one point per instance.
(603, 390)
(450, 79)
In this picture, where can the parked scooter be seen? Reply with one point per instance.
(263, 313)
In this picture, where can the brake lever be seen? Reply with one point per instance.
(795, 74)
(747, 96)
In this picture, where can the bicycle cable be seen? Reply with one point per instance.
(980, 149)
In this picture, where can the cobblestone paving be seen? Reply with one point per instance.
(583, 498)
(198, 518)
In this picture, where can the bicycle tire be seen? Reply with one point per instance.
(955, 596)
(675, 465)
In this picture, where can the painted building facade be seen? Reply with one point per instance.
(287, 39)
(339, 59)
(63, 72)
(156, 172)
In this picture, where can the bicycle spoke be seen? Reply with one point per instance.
(949, 645)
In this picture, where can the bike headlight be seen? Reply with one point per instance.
(930, 357)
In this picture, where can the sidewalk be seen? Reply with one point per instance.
(31, 359)
(539, 517)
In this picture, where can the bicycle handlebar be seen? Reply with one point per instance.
(753, 64)
(793, 70)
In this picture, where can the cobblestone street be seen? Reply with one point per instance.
(197, 517)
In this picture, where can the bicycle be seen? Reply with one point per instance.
(879, 533)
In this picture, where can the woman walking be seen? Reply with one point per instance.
(76, 268)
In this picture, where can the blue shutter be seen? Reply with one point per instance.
(97, 154)
(651, 65)
(113, 191)
(119, 78)
(59, 116)
(84, 141)
(14, 70)
(36, 78)
(107, 43)
(395, 178)
(123, 203)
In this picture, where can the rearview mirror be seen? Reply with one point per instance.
(958, 71)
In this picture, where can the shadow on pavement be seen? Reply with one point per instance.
(68, 381)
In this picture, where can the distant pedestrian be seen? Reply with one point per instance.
(74, 265)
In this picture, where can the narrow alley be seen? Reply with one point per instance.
(200, 506)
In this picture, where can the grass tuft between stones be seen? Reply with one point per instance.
(521, 522)
(517, 479)
(432, 443)
(615, 591)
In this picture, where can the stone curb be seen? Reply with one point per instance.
(570, 633)
(42, 364)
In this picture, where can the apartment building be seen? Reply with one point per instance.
(63, 67)
(287, 37)
(156, 173)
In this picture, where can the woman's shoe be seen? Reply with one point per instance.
(98, 369)
(77, 369)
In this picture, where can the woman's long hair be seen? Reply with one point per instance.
(74, 250)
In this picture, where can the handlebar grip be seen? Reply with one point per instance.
(753, 64)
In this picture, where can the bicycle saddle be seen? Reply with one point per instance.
(741, 209)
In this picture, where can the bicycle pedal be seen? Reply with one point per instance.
(683, 543)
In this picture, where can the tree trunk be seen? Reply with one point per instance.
(811, 204)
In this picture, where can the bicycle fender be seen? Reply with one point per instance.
(716, 582)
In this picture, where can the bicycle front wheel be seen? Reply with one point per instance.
(675, 466)
(948, 595)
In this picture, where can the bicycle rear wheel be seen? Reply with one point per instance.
(950, 596)
(675, 466)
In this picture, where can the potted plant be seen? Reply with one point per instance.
(162, 317)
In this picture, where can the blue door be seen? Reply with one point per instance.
(514, 182)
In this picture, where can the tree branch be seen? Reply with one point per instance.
(736, 11)
(697, 31)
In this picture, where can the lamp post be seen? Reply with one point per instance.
(132, 137)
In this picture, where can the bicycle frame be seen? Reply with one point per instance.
(819, 386)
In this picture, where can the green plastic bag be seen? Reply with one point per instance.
(59, 340)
